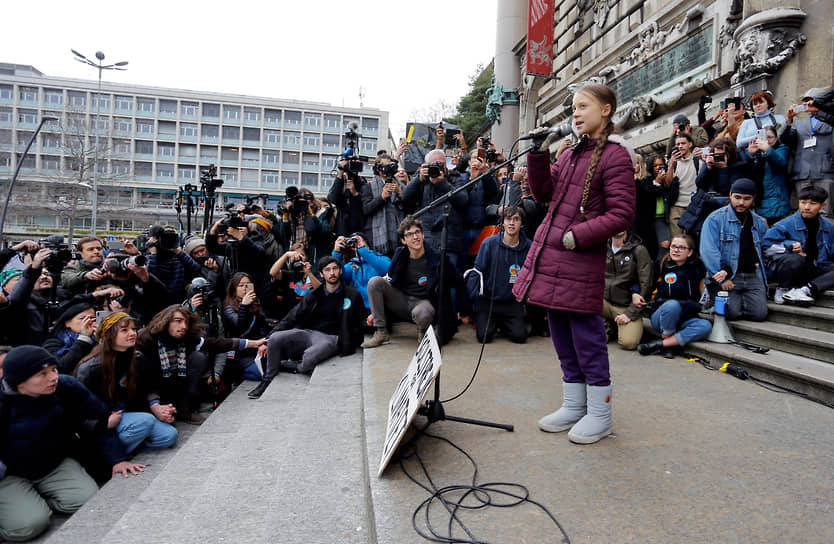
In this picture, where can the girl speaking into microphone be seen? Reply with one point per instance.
(591, 195)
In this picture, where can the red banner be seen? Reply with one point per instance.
(540, 37)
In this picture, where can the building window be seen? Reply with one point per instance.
(252, 135)
(146, 105)
(6, 92)
(310, 181)
(331, 142)
(102, 122)
(368, 146)
(328, 162)
(211, 111)
(251, 157)
(188, 109)
(231, 113)
(121, 147)
(332, 122)
(187, 172)
(53, 97)
(124, 103)
(210, 131)
(249, 177)
(143, 147)
(289, 157)
(144, 127)
(143, 169)
(101, 101)
(188, 151)
(168, 107)
(252, 114)
(229, 175)
(165, 171)
(310, 160)
(121, 168)
(77, 98)
(27, 117)
(229, 154)
(51, 162)
(311, 140)
(289, 178)
(28, 94)
(165, 150)
(77, 121)
(231, 133)
(272, 137)
(272, 116)
(370, 124)
(348, 120)
(208, 153)
(312, 120)
(292, 118)
(167, 128)
(292, 138)
(271, 158)
(188, 130)
(123, 124)
(6, 115)
(270, 178)
(50, 141)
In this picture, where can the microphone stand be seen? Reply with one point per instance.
(433, 409)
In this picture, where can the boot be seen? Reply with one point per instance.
(650, 347)
(596, 424)
(380, 337)
(259, 390)
(572, 410)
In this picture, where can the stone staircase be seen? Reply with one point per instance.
(256, 471)
(801, 342)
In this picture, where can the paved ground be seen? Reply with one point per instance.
(697, 456)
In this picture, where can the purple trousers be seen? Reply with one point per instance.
(582, 347)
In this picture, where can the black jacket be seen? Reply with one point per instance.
(681, 283)
(351, 318)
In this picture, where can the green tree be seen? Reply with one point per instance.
(471, 115)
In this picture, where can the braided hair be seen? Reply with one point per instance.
(605, 96)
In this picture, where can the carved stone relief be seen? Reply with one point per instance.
(766, 41)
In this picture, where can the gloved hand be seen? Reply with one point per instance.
(569, 241)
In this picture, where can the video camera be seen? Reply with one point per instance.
(351, 154)
(209, 179)
(388, 169)
(60, 256)
(166, 238)
(299, 203)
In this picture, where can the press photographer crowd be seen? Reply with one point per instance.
(106, 350)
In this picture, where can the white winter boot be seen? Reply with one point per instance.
(596, 425)
(572, 410)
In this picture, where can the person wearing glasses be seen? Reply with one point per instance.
(676, 305)
(411, 289)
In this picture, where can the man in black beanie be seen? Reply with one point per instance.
(40, 412)
(731, 249)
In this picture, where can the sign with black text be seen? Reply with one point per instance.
(409, 394)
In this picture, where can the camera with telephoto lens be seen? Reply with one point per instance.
(119, 262)
(436, 169)
(298, 203)
(60, 256)
(388, 169)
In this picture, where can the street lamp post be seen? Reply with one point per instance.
(100, 66)
(44, 119)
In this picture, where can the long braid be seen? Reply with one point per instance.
(592, 167)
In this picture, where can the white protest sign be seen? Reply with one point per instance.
(409, 394)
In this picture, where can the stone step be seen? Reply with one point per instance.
(808, 377)
(814, 317)
(801, 341)
(206, 488)
(826, 300)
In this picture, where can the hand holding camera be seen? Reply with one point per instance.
(250, 296)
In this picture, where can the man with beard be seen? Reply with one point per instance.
(85, 274)
(731, 249)
(328, 320)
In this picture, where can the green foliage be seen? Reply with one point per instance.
(471, 116)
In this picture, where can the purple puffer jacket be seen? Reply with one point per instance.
(557, 278)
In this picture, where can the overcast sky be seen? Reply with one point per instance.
(406, 55)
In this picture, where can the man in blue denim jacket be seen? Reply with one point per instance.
(801, 250)
(731, 249)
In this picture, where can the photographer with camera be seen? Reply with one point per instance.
(810, 139)
(170, 263)
(298, 225)
(430, 183)
(143, 292)
(723, 167)
(85, 274)
(345, 195)
(736, 115)
(28, 295)
(359, 263)
(294, 278)
(382, 205)
(215, 268)
(681, 125)
(768, 160)
(683, 169)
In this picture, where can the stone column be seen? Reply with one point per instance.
(511, 25)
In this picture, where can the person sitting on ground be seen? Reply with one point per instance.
(244, 319)
(110, 373)
(293, 277)
(328, 321)
(411, 289)
(40, 414)
(677, 303)
(85, 274)
(215, 268)
(29, 295)
(628, 285)
(801, 250)
(491, 282)
(172, 356)
(360, 263)
(731, 248)
(71, 339)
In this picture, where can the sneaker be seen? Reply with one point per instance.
(801, 296)
(779, 296)
(380, 337)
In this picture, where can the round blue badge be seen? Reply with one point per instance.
(670, 278)
(346, 304)
(423, 281)
(514, 269)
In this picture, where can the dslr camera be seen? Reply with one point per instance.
(388, 169)
(436, 169)
(61, 253)
(166, 238)
(298, 203)
(119, 262)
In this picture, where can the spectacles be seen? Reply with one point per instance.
(679, 248)
(412, 234)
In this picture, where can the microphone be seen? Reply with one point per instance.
(542, 133)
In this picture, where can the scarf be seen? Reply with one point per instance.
(166, 356)
(385, 221)
(68, 337)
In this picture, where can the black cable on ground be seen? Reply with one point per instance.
(457, 499)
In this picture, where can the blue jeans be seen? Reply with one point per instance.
(143, 428)
(667, 321)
